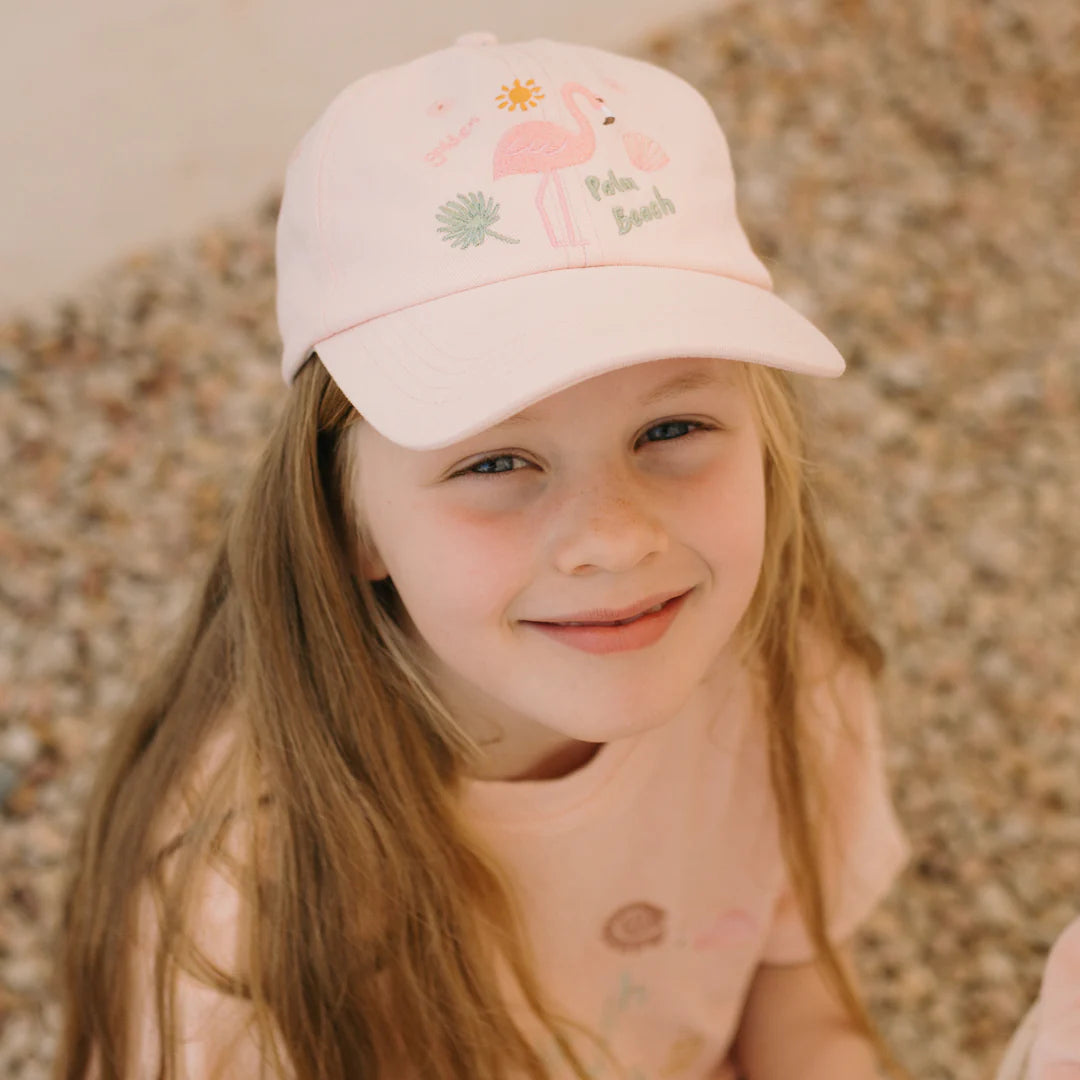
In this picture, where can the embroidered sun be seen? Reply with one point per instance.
(520, 97)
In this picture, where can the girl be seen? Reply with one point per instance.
(523, 727)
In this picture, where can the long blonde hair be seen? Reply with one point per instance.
(368, 901)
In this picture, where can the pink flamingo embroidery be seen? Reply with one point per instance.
(538, 146)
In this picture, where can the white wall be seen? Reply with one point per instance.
(128, 122)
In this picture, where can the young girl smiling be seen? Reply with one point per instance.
(524, 726)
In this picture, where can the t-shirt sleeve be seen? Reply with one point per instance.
(863, 847)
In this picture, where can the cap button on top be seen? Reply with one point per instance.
(478, 37)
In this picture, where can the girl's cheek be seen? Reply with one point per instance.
(484, 500)
(494, 512)
(724, 505)
(483, 545)
(718, 481)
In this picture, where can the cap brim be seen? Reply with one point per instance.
(437, 372)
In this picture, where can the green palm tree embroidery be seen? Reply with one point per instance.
(468, 219)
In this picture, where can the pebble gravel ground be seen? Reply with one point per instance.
(911, 172)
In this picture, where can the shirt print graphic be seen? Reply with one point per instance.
(629, 999)
(632, 930)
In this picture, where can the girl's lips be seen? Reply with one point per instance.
(612, 615)
(639, 633)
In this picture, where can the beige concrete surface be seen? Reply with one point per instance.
(124, 123)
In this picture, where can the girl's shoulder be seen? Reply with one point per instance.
(835, 688)
(215, 767)
(200, 837)
(823, 662)
(192, 914)
(834, 692)
(840, 708)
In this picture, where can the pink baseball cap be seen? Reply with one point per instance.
(472, 231)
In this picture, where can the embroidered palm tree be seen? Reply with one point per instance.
(468, 219)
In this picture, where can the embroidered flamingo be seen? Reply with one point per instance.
(538, 146)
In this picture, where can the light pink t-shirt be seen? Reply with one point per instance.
(652, 881)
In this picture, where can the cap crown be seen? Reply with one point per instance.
(484, 162)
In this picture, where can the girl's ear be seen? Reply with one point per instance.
(370, 561)
(372, 566)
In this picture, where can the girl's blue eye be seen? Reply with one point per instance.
(672, 429)
(665, 431)
(500, 463)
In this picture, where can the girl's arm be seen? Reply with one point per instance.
(793, 1026)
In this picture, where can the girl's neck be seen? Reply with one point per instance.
(562, 761)
(523, 761)
(529, 751)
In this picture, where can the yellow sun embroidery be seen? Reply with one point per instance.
(520, 97)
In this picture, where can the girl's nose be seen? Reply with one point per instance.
(610, 530)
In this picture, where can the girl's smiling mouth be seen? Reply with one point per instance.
(604, 631)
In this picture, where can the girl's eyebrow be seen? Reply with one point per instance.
(692, 380)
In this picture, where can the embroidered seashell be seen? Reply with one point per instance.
(636, 926)
(644, 153)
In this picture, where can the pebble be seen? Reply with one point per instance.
(9, 779)
(18, 745)
(26, 974)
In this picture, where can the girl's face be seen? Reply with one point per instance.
(640, 486)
